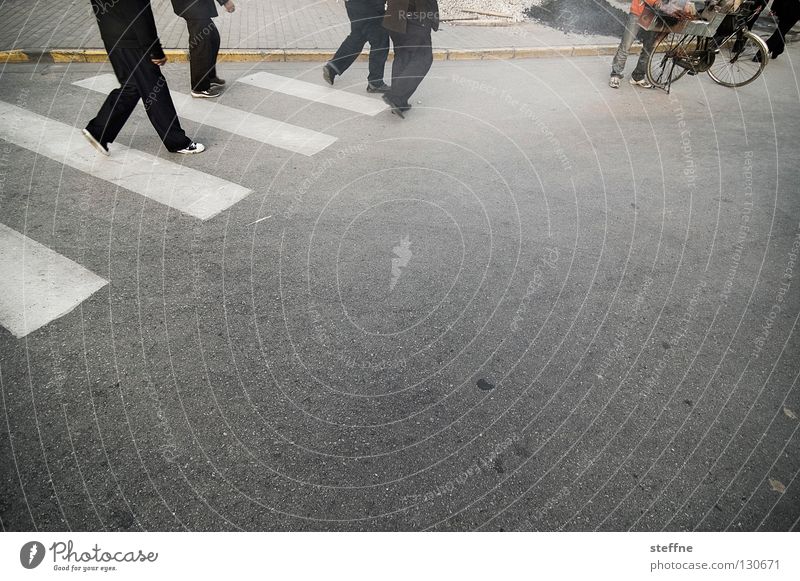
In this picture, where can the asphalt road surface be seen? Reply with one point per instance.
(534, 304)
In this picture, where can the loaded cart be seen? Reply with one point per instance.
(711, 37)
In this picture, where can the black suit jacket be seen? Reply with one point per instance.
(396, 11)
(196, 9)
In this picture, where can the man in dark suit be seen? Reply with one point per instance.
(366, 18)
(203, 44)
(409, 23)
(129, 34)
(788, 13)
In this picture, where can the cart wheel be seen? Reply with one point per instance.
(741, 60)
(661, 68)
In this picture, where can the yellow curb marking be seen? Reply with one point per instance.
(315, 55)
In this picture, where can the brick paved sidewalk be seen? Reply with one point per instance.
(41, 25)
(256, 24)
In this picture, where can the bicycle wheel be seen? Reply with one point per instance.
(661, 67)
(741, 59)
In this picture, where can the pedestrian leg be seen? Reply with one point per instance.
(378, 38)
(757, 9)
(621, 56)
(154, 92)
(215, 44)
(788, 15)
(401, 54)
(202, 55)
(120, 103)
(352, 46)
(648, 44)
(413, 60)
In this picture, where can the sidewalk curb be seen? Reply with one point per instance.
(66, 55)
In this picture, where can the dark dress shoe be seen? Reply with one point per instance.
(328, 74)
(378, 87)
(395, 108)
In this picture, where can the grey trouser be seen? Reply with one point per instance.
(632, 30)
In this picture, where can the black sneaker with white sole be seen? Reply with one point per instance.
(95, 143)
(192, 148)
(210, 93)
(217, 82)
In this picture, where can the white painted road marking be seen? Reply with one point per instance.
(190, 191)
(213, 114)
(316, 93)
(38, 285)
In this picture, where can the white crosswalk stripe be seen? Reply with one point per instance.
(38, 285)
(214, 114)
(190, 191)
(317, 93)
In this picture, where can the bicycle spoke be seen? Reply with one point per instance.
(739, 60)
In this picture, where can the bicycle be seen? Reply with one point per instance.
(722, 46)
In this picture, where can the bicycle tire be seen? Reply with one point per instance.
(735, 66)
(661, 68)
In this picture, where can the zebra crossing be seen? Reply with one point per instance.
(39, 285)
(316, 93)
(190, 191)
(215, 114)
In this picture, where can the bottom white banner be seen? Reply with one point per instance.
(356, 556)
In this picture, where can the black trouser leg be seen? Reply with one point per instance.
(413, 57)
(119, 104)
(788, 15)
(401, 56)
(217, 41)
(139, 79)
(758, 9)
(366, 24)
(204, 44)
(378, 38)
(378, 53)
